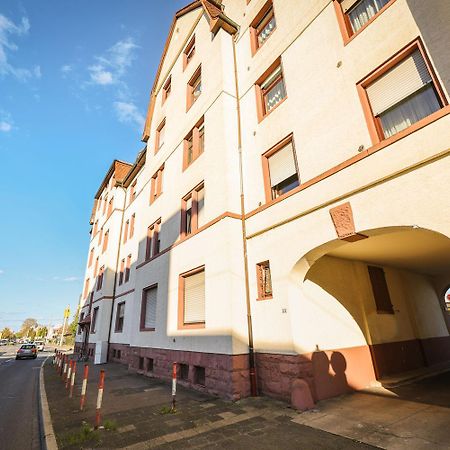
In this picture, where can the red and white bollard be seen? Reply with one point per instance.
(66, 367)
(84, 386)
(58, 361)
(72, 378)
(101, 385)
(174, 386)
(63, 366)
(69, 374)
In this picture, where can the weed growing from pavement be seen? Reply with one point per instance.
(85, 434)
(167, 410)
(110, 425)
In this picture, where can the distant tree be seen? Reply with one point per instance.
(7, 333)
(28, 327)
(41, 332)
(73, 326)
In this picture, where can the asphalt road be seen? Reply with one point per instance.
(19, 401)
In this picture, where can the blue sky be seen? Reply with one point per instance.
(75, 78)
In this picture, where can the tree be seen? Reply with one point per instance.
(7, 333)
(73, 326)
(41, 332)
(28, 328)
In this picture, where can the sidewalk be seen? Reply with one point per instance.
(135, 408)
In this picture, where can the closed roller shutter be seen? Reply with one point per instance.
(398, 83)
(150, 307)
(282, 165)
(194, 298)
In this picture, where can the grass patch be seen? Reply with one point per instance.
(110, 425)
(167, 410)
(85, 434)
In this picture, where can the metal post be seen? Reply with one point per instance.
(72, 379)
(69, 374)
(101, 385)
(84, 386)
(174, 386)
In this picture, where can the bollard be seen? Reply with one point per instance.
(72, 378)
(65, 368)
(174, 386)
(58, 360)
(84, 386)
(69, 374)
(61, 369)
(101, 385)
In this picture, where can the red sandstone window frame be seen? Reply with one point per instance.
(86, 288)
(121, 273)
(194, 211)
(144, 307)
(264, 16)
(374, 123)
(104, 204)
(120, 319)
(344, 22)
(125, 231)
(195, 80)
(262, 291)
(132, 191)
(100, 278)
(94, 231)
(181, 287)
(158, 143)
(153, 243)
(105, 242)
(127, 269)
(96, 267)
(266, 170)
(132, 224)
(100, 237)
(156, 184)
(91, 257)
(197, 136)
(261, 93)
(189, 52)
(110, 206)
(167, 89)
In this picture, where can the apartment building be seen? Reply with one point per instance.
(286, 228)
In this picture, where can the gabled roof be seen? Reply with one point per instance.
(139, 163)
(217, 19)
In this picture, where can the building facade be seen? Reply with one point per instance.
(287, 226)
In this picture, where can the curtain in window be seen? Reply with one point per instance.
(364, 11)
(414, 108)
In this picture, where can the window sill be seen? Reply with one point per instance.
(191, 326)
(261, 299)
(146, 329)
(118, 331)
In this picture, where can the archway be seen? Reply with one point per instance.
(377, 302)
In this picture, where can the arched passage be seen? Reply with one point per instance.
(376, 303)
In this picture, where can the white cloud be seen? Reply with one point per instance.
(8, 30)
(70, 279)
(112, 66)
(5, 127)
(66, 68)
(128, 112)
(2, 272)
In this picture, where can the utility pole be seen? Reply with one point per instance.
(66, 318)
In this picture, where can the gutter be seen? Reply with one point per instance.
(117, 268)
(251, 352)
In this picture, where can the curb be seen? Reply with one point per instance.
(48, 434)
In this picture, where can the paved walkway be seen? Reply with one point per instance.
(137, 407)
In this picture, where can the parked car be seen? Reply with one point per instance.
(3, 341)
(39, 345)
(27, 351)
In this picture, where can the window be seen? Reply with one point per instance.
(280, 169)
(192, 211)
(184, 372)
(189, 52)
(110, 205)
(149, 366)
(401, 93)
(94, 231)
(194, 88)
(105, 242)
(81, 320)
(104, 204)
(199, 375)
(194, 143)
(264, 280)
(380, 290)
(133, 191)
(262, 26)
(160, 134)
(125, 231)
(120, 315)
(94, 319)
(132, 222)
(148, 308)
(86, 288)
(91, 257)
(167, 89)
(354, 15)
(153, 241)
(271, 90)
(96, 266)
(447, 300)
(192, 299)
(127, 269)
(100, 237)
(141, 363)
(156, 184)
(100, 278)
(121, 273)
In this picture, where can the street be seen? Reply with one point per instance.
(19, 400)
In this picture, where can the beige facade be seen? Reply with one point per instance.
(352, 250)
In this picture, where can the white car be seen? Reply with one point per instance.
(39, 346)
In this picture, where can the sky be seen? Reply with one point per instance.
(75, 78)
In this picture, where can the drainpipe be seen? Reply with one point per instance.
(117, 269)
(251, 352)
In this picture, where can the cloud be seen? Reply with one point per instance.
(2, 271)
(8, 30)
(70, 279)
(110, 67)
(6, 122)
(127, 112)
(66, 68)
(5, 127)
